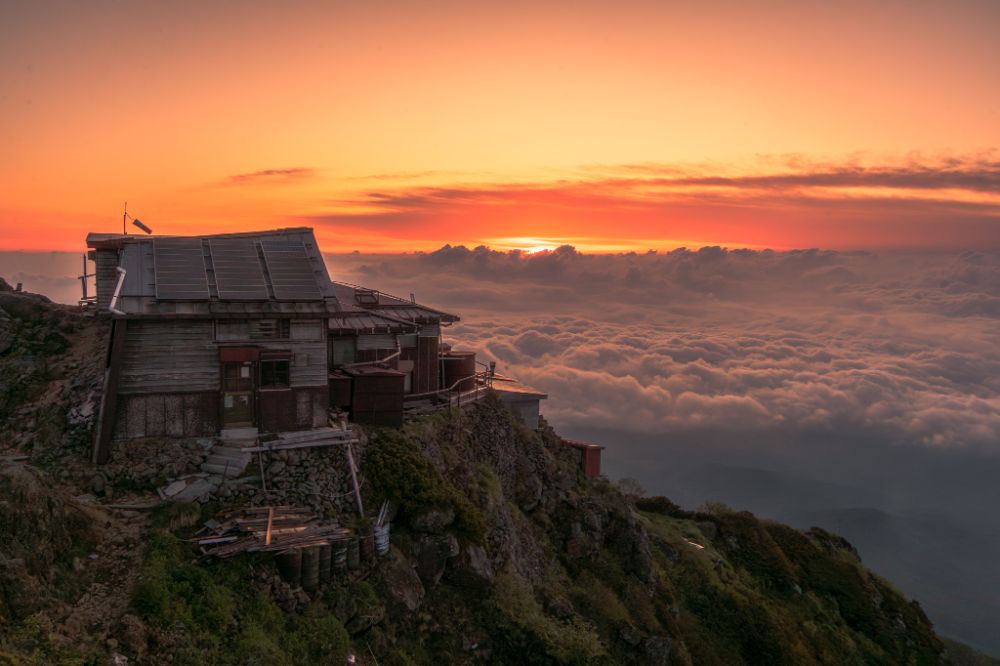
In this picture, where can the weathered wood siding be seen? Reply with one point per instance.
(308, 367)
(377, 341)
(293, 409)
(307, 329)
(169, 356)
(307, 342)
(171, 415)
(106, 275)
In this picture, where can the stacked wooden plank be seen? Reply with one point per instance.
(269, 529)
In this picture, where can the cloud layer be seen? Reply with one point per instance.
(900, 345)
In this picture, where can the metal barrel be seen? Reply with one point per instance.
(325, 562)
(353, 554)
(381, 534)
(290, 566)
(367, 547)
(310, 568)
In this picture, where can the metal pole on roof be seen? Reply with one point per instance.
(124, 215)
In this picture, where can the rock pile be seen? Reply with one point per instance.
(319, 479)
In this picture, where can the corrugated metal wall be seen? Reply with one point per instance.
(386, 341)
(169, 356)
(425, 373)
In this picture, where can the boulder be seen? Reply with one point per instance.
(432, 556)
(475, 560)
(401, 585)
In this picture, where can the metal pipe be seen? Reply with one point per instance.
(399, 350)
(112, 306)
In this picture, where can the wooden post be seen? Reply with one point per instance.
(270, 519)
(354, 480)
(260, 462)
(104, 430)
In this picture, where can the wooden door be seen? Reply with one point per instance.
(239, 386)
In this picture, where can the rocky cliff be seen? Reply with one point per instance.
(503, 552)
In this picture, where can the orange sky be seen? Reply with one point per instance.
(400, 126)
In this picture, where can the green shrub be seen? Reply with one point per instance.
(529, 633)
(214, 616)
(401, 472)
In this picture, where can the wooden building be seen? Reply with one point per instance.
(246, 330)
(589, 456)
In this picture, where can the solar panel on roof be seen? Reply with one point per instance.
(237, 270)
(290, 269)
(179, 269)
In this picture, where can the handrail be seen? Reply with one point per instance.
(444, 390)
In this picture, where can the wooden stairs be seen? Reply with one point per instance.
(228, 457)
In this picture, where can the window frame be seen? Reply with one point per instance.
(273, 382)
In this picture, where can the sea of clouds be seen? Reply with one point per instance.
(905, 345)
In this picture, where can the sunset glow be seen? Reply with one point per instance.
(400, 126)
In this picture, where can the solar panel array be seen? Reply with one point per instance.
(290, 269)
(237, 269)
(180, 269)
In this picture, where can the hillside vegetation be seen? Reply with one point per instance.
(503, 552)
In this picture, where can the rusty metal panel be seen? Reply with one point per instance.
(459, 366)
(238, 354)
(340, 390)
(592, 461)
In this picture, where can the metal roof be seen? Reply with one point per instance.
(355, 297)
(161, 272)
(179, 267)
(258, 273)
(238, 272)
(366, 321)
(288, 267)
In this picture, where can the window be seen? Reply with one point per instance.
(274, 373)
(270, 329)
(343, 351)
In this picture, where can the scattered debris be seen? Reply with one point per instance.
(272, 529)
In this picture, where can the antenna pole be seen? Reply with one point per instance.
(124, 215)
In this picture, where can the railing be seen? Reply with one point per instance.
(456, 396)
